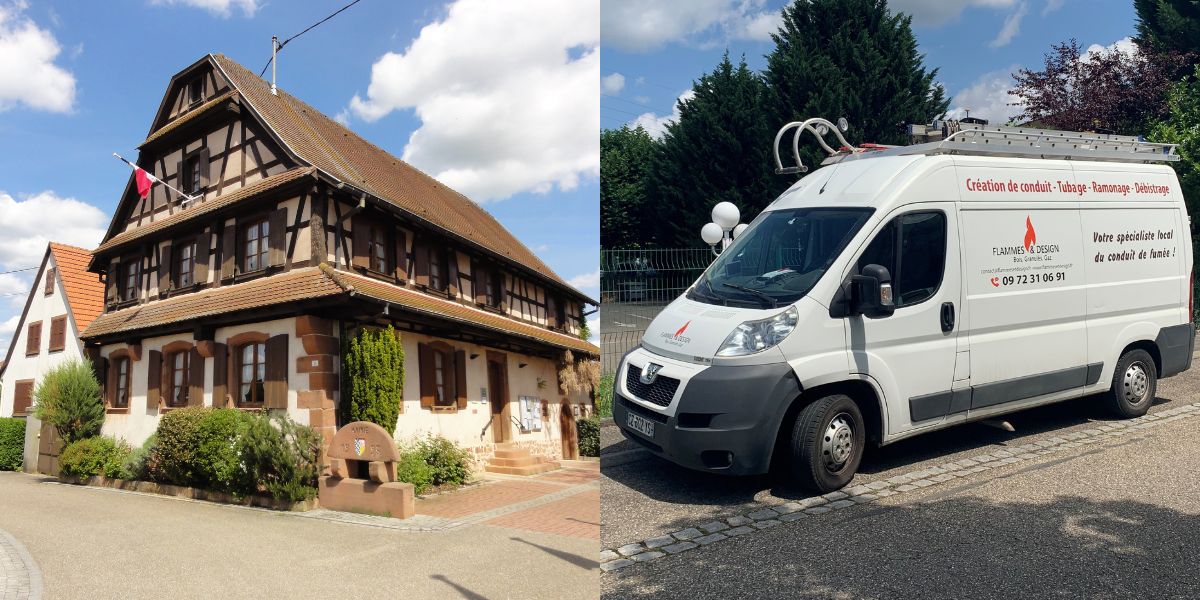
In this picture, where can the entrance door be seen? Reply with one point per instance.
(911, 353)
(570, 437)
(498, 396)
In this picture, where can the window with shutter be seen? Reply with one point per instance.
(122, 372)
(256, 245)
(49, 282)
(439, 374)
(22, 396)
(276, 392)
(58, 333)
(184, 272)
(33, 338)
(277, 238)
(177, 364)
(130, 279)
(251, 372)
(194, 379)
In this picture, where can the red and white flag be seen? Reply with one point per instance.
(144, 181)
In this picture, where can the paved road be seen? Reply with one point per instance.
(1101, 509)
(99, 543)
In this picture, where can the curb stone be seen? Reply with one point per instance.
(774, 515)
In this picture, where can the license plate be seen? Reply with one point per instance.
(640, 424)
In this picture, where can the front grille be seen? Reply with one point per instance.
(660, 393)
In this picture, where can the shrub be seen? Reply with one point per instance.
(217, 464)
(604, 396)
(173, 459)
(100, 455)
(68, 398)
(373, 377)
(413, 469)
(12, 444)
(280, 457)
(137, 464)
(448, 462)
(589, 436)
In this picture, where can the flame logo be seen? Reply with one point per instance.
(1030, 234)
(682, 329)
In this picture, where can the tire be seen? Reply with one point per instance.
(827, 443)
(1134, 384)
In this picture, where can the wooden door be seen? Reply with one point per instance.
(570, 436)
(498, 398)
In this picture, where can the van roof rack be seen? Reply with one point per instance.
(980, 139)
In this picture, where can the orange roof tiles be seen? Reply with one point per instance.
(83, 290)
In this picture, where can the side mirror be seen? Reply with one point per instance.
(871, 292)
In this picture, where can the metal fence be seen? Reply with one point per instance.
(634, 286)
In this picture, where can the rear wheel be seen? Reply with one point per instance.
(1134, 384)
(827, 443)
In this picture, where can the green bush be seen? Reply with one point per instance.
(373, 377)
(280, 457)
(137, 464)
(12, 444)
(217, 463)
(448, 462)
(100, 455)
(413, 469)
(589, 436)
(68, 398)
(604, 397)
(174, 458)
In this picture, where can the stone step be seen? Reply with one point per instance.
(512, 452)
(520, 461)
(527, 470)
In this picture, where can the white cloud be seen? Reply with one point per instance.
(24, 230)
(1011, 27)
(645, 25)
(612, 84)
(221, 8)
(1051, 6)
(1124, 45)
(934, 13)
(987, 98)
(28, 74)
(594, 328)
(9, 325)
(586, 281)
(656, 125)
(506, 94)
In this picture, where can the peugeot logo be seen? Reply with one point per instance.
(650, 373)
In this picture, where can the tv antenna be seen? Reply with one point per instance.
(277, 45)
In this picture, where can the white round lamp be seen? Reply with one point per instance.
(726, 215)
(711, 233)
(739, 229)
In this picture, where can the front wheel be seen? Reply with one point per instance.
(1134, 383)
(827, 443)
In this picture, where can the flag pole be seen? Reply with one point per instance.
(187, 197)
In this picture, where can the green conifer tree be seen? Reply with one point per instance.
(373, 377)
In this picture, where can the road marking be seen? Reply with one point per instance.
(758, 517)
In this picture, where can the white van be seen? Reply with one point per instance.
(903, 290)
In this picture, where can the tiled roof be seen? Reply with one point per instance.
(318, 282)
(207, 206)
(84, 292)
(339, 152)
(187, 116)
(292, 286)
(453, 311)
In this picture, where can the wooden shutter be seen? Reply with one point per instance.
(460, 378)
(276, 386)
(220, 374)
(100, 371)
(452, 272)
(154, 378)
(551, 312)
(277, 237)
(110, 381)
(200, 273)
(180, 179)
(229, 251)
(195, 380)
(33, 338)
(400, 258)
(360, 234)
(479, 277)
(49, 282)
(205, 166)
(110, 289)
(58, 333)
(164, 269)
(22, 397)
(426, 375)
(421, 262)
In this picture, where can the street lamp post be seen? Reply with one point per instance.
(724, 227)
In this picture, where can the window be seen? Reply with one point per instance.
(918, 240)
(122, 373)
(178, 365)
(49, 282)
(377, 249)
(256, 246)
(439, 378)
(252, 372)
(442, 375)
(130, 271)
(33, 338)
(560, 314)
(58, 334)
(196, 90)
(493, 287)
(185, 264)
(190, 181)
(437, 266)
(23, 396)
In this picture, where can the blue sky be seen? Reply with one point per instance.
(468, 91)
(975, 44)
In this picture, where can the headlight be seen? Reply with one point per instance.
(756, 336)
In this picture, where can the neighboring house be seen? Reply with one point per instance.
(302, 233)
(64, 300)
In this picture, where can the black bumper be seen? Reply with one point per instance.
(726, 420)
(1175, 347)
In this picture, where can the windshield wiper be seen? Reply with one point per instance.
(771, 303)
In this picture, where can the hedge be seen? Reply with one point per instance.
(100, 455)
(373, 377)
(12, 444)
(589, 436)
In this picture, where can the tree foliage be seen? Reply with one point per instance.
(1107, 90)
(1165, 26)
(68, 398)
(624, 161)
(373, 377)
(1182, 126)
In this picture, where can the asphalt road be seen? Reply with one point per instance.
(1111, 520)
(99, 543)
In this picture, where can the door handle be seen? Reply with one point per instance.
(947, 316)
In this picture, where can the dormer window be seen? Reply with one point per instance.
(129, 281)
(191, 175)
(196, 90)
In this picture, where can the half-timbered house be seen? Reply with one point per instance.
(299, 233)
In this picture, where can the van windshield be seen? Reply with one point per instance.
(779, 257)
